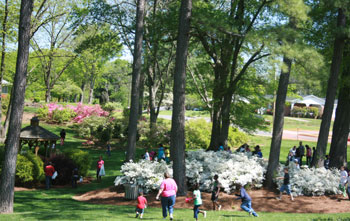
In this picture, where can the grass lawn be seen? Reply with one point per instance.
(293, 123)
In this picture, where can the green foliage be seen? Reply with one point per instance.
(80, 158)
(95, 127)
(66, 90)
(38, 166)
(43, 113)
(311, 112)
(5, 102)
(24, 170)
(29, 169)
(198, 135)
(159, 133)
(60, 116)
(112, 106)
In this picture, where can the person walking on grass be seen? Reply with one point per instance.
(63, 136)
(141, 205)
(49, 171)
(246, 200)
(168, 189)
(215, 193)
(286, 185)
(197, 202)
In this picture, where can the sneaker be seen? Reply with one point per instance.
(256, 215)
(250, 213)
(205, 214)
(137, 215)
(219, 207)
(278, 198)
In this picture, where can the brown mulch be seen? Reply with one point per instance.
(263, 200)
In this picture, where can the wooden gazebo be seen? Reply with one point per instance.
(34, 135)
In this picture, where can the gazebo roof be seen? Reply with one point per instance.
(35, 132)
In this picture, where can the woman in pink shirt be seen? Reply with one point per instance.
(168, 189)
(100, 162)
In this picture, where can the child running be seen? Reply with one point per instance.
(197, 202)
(286, 185)
(141, 205)
(215, 193)
(246, 200)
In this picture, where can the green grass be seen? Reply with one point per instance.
(29, 109)
(292, 123)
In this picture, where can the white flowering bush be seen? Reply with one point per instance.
(146, 174)
(236, 168)
(201, 166)
(311, 181)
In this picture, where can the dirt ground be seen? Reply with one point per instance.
(263, 200)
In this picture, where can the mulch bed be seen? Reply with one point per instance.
(263, 200)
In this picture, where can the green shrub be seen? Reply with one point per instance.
(64, 115)
(313, 112)
(198, 134)
(38, 166)
(80, 158)
(95, 127)
(29, 169)
(236, 137)
(43, 113)
(111, 106)
(160, 133)
(88, 128)
(24, 170)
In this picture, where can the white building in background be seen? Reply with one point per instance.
(311, 101)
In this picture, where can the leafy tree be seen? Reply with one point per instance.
(12, 144)
(331, 91)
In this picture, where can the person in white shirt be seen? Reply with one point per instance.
(343, 180)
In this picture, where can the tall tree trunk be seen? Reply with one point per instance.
(2, 65)
(81, 99)
(48, 94)
(278, 122)
(338, 155)
(8, 172)
(135, 90)
(331, 92)
(8, 114)
(92, 84)
(177, 142)
(142, 88)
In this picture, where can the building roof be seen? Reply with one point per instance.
(310, 99)
(35, 132)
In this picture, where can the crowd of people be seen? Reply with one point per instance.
(167, 196)
(296, 155)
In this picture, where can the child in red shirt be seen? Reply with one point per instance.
(141, 205)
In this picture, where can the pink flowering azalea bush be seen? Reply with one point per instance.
(58, 113)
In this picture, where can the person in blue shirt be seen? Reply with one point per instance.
(161, 154)
(246, 200)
